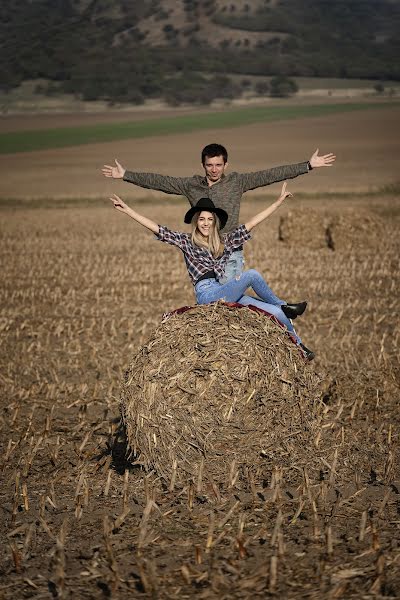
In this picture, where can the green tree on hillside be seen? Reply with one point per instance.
(282, 87)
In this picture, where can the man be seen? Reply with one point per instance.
(225, 190)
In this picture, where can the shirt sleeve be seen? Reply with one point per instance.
(174, 238)
(251, 181)
(236, 238)
(161, 183)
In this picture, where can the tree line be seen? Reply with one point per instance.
(97, 53)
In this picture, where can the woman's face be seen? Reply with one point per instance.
(205, 222)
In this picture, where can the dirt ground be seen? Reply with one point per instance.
(366, 144)
(83, 289)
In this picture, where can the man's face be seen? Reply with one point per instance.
(214, 168)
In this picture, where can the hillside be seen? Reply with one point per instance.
(181, 50)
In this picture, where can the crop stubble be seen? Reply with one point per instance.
(82, 290)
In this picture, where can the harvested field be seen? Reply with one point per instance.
(82, 291)
(366, 144)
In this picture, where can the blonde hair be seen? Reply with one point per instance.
(213, 243)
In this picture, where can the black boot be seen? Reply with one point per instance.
(294, 310)
(308, 354)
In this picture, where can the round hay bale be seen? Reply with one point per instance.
(355, 228)
(317, 229)
(219, 390)
(304, 229)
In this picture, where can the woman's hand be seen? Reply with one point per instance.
(270, 210)
(284, 193)
(116, 172)
(119, 204)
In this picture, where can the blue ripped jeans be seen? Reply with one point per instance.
(234, 266)
(210, 290)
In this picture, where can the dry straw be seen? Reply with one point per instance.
(317, 229)
(221, 395)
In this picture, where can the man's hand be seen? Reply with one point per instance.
(116, 172)
(322, 161)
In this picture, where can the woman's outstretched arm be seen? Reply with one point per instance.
(268, 211)
(120, 205)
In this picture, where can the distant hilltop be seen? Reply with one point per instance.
(194, 51)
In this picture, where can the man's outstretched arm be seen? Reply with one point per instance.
(251, 181)
(150, 181)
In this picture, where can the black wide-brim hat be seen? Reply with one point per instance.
(209, 206)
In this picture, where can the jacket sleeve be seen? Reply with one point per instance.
(251, 181)
(162, 183)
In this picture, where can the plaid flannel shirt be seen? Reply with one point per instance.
(200, 261)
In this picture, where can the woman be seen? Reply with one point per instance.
(206, 252)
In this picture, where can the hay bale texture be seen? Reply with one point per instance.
(355, 229)
(316, 229)
(308, 228)
(219, 391)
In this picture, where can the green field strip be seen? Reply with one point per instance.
(47, 139)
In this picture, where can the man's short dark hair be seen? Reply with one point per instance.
(214, 150)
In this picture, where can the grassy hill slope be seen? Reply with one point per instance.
(181, 50)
